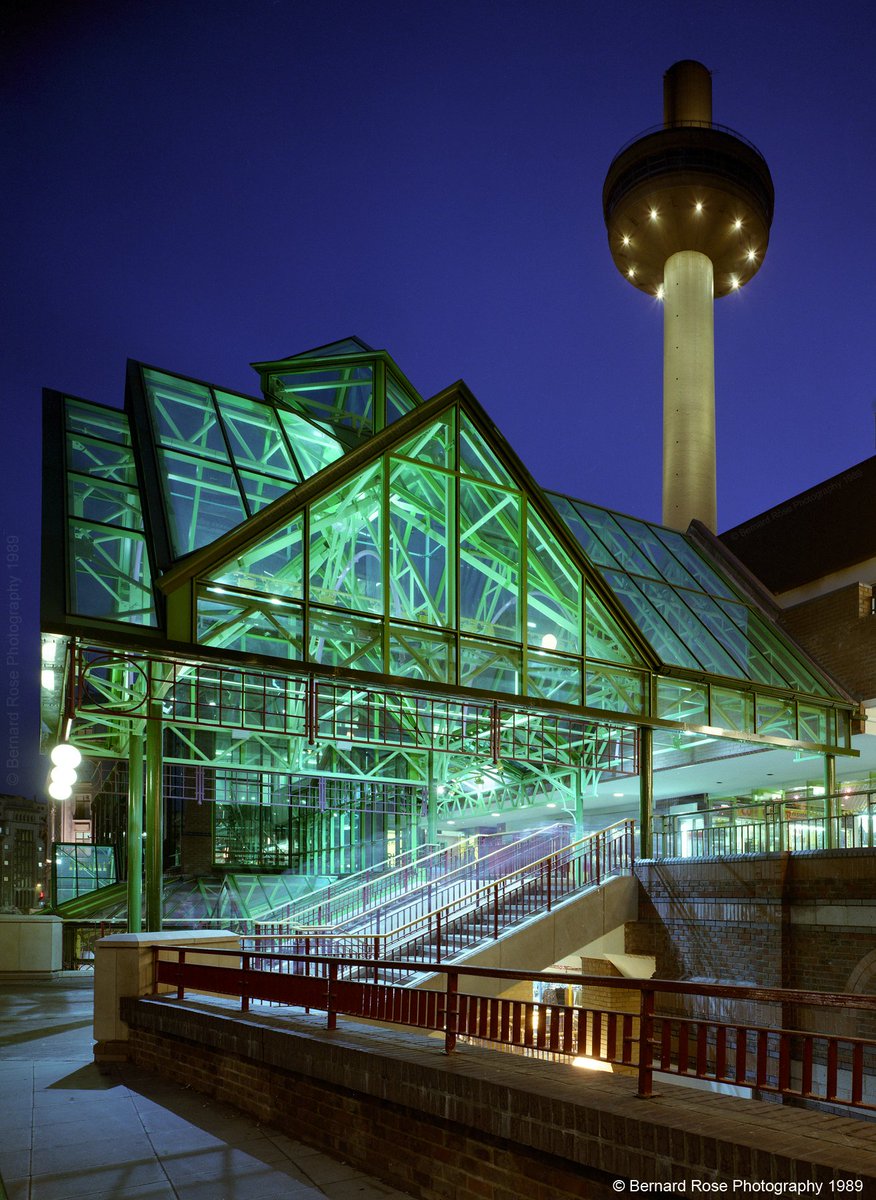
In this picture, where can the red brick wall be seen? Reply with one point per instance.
(839, 632)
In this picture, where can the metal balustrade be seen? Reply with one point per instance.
(845, 820)
(798, 1063)
(479, 913)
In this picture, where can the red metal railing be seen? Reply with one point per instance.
(798, 1063)
(478, 912)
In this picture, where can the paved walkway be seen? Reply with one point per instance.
(69, 1131)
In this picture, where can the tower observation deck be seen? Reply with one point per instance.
(688, 208)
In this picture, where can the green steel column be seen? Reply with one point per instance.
(154, 823)
(135, 832)
(579, 804)
(830, 800)
(432, 804)
(646, 789)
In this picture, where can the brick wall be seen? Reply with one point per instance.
(839, 632)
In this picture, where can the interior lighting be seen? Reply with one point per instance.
(626, 239)
(617, 795)
(631, 273)
(47, 679)
(653, 214)
(497, 816)
(60, 791)
(551, 804)
(591, 1064)
(48, 652)
(659, 292)
(752, 255)
(734, 282)
(65, 776)
(549, 642)
(65, 755)
(699, 206)
(737, 224)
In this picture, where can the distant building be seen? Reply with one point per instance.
(23, 865)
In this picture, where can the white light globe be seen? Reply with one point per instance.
(65, 776)
(60, 791)
(66, 755)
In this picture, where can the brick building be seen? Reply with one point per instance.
(23, 866)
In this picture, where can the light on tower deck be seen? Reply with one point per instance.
(686, 191)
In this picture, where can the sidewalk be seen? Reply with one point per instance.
(71, 1132)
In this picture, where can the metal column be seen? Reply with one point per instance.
(432, 804)
(830, 812)
(646, 790)
(135, 832)
(154, 822)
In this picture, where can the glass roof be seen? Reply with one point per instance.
(690, 614)
(224, 456)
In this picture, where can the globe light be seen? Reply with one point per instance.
(66, 755)
(60, 791)
(65, 776)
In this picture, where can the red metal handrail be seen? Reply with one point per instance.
(798, 1063)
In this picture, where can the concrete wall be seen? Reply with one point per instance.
(30, 945)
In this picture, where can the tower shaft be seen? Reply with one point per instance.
(689, 475)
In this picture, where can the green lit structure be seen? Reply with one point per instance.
(312, 627)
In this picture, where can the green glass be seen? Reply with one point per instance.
(683, 701)
(108, 424)
(489, 560)
(419, 520)
(346, 540)
(775, 717)
(620, 545)
(707, 578)
(552, 677)
(101, 460)
(260, 490)
(664, 562)
(604, 638)
(110, 576)
(203, 500)
(615, 689)
(650, 621)
(489, 665)
(422, 654)
(275, 566)
(778, 653)
(436, 444)
(553, 590)
(313, 447)
(341, 397)
(813, 724)
(344, 640)
(595, 549)
(250, 625)
(255, 437)
(104, 502)
(398, 399)
(184, 415)
(732, 710)
(475, 456)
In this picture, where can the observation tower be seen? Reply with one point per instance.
(688, 207)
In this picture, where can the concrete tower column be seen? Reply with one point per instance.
(689, 391)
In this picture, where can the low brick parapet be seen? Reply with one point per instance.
(480, 1123)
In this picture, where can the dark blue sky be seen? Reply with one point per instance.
(205, 184)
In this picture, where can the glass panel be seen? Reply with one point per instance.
(682, 701)
(615, 689)
(552, 677)
(475, 456)
(717, 617)
(203, 500)
(313, 447)
(252, 626)
(775, 651)
(775, 717)
(342, 640)
(494, 667)
(692, 632)
(101, 460)
(553, 591)
(110, 575)
(489, 556)
(584, 535)
(260, 490)
(422, 654)
(710, 581)
(732, 710)
(665, 563)
(628, 556)
(107, 423)
(341, 396)
(419, 508)
(104, 502)
(398, 401)
(254, 436)
(651, 623)
(275, 566)
(813, 724)
(183, 415)
(603, 636)
(345, 544)
(436, 444)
